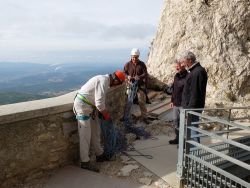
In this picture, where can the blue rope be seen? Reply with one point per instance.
(138, 131)
(114, 141)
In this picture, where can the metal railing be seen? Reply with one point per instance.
(225, 163)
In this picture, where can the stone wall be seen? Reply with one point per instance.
(219, 34)
(40, 136)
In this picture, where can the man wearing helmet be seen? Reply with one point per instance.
(135, 69)
(90, 100)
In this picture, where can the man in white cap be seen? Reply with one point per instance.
(135, 69)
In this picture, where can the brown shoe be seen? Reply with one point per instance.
(89, 166)
(175, 141)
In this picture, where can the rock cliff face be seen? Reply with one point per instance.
(219, 34)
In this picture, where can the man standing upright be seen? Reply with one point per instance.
(137, 70)
(177, 88)
(194, 91)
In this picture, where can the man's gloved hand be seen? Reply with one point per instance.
(106, 116)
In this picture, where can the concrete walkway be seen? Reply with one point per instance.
(75, 177)
(164, 160)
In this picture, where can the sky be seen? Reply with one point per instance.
(59, 31)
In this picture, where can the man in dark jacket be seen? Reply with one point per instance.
(137, 70)
(177, 88)
(194, 91)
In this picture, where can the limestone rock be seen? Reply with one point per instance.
(219, 34)
(124, 158)
(145, 181)
(147, 174)
(131, 162)
(125, 171)
(155, 84)
(130, 138)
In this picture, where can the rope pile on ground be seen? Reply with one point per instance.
(114, 140)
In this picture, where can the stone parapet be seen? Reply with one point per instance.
(39, 136)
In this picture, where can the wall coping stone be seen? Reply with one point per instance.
(38, 108)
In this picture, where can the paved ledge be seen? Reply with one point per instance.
(38, 108)
(34, 109)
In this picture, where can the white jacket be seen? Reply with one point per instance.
(95, 90)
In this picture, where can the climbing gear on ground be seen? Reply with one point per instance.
(139, 154)
(114, 140)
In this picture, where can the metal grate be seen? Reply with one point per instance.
(222, 164)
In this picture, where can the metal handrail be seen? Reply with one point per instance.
(231, 151)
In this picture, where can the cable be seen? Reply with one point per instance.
(140, 154)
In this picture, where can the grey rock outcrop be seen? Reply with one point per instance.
(219, 34)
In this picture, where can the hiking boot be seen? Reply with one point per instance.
(148, 101)
(102, 158)
(89, 166)
(175, 141)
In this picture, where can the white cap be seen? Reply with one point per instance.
(135, 51)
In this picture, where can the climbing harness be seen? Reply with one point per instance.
(82, 117)
(86, 101)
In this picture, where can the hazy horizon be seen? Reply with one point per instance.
(90, 56)
(76, 31)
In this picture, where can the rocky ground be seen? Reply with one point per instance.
(123, 166)
(127, 168)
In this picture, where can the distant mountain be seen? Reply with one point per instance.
(26, 81)
(15, 97)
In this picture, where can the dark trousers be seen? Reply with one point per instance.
(176, 120)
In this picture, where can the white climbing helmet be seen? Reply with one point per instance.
(135, 51)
